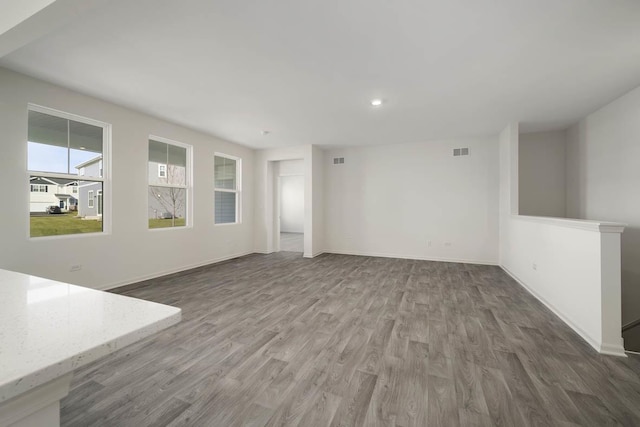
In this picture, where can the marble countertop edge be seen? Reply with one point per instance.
(14, 387)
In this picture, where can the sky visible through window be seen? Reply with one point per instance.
(51, 158)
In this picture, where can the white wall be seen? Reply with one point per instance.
(318, 243)
(508, 187)
(572, 266)
(292, 203)
(542, 174)
(291, 173)
(414, 201)
(603, 182)
(291, 167)
(131, 252)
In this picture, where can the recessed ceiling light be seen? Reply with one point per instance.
(376, 102)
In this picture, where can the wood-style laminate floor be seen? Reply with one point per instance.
(270, 340)
(292, 242)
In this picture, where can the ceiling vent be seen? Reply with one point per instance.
(338, 160)
(460, 152)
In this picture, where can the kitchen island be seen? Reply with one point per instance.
(48, 329)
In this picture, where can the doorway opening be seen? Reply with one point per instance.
(290, 205)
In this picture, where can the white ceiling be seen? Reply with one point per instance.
(306, 69)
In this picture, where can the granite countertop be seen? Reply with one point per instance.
(49, 328)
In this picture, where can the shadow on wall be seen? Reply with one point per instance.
(630, 274)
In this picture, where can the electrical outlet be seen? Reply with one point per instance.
(75, 267)
(534, 266)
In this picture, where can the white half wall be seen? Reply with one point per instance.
(542, 174)
(131, 252)
(414, 201)
(603, 182)
(572, 266)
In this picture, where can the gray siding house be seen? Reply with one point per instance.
(90, 198)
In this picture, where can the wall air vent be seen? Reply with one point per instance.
(338, 160)
(460, 152)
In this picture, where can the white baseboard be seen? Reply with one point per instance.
(612, 350)
(306, 255)
(171, 271)
(600, 347)
(413, 257)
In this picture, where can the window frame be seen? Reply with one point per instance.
(90, 201)
(105, 179)
(237, 191)
(188, 176)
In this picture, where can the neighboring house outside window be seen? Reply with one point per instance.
(227, 187)
(169, 177)
(89, 190)
(61, 148)
(52, 193)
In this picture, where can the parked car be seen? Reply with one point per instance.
(53, 209)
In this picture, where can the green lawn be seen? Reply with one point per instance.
(66, 223)
(163, 223)
(69, 223)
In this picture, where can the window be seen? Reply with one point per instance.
(227, 189)
(68, 153)
(169, 183)
(39, 188)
